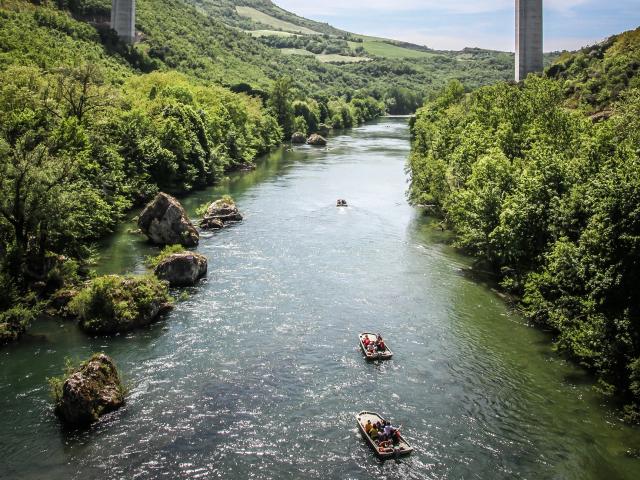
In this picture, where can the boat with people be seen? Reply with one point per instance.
(374, 347)
(341, 203)
(385, 439)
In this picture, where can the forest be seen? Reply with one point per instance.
(541, 182)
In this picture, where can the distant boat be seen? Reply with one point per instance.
(401, 448)
(341, 203)
(386, 354)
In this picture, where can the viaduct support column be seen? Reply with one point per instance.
(123, 19)
(528, 38)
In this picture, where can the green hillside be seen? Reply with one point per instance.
(417, 69)
(548, 198)
(596, 76)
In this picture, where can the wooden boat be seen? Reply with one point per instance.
(401, 448)
(385, 355)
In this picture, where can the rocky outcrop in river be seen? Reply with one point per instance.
(165, 222)
(182, 269)
(220, 213)
(114, 304)
(317, 140)
(89, 392)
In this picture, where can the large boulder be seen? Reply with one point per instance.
(220, 213)
(298, 138)
(89, 392)
(182, 269)
(165, 222)
(114, 304)
(317, 140)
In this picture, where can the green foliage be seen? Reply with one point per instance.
(280, 100)
(153, 262)
(596, 76)
(309, 112)
(552, 201)
(57, 383)
(15, 321)
(317, 44)
(113, 303)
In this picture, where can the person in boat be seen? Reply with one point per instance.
(388, 429)
(371, 347)
(380, 343)
(373, 433)
(366, 341)
(396, 436)
(368, 426)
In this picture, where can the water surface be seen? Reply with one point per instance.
(257, 374)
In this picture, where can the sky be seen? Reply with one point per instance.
(455, 24)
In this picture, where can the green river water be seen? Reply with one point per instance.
(258, 375)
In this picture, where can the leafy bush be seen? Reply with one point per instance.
(113, 303)
(153, 262)
(15, 321)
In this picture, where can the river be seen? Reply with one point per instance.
(257, 373)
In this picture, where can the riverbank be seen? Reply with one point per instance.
(238, 376)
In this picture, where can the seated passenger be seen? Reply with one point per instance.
(396, 436)
(373, 433)
(368, 426)
(366, 341)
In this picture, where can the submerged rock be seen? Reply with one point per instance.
(298, 138)
(90, 391)
(182, 269)
(113, 304)
(165, 222)
(211, 223)
(317, 140)
(220, 213)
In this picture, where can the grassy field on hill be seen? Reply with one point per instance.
(273, 22)
(383, 48)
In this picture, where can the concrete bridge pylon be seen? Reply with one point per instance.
(123, 19)
(529, 38)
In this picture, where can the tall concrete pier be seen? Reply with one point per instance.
(528, 38)
(123, 19)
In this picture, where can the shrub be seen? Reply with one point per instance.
(15, 321)
(115, 303)
(153, 262)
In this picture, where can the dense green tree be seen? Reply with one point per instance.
(310, 112)
(280, 101)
